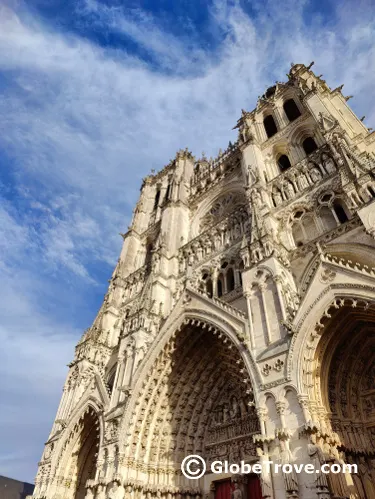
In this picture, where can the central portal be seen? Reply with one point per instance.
(197, 399)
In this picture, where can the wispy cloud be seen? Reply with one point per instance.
(81, 124)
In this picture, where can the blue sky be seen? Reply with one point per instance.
(93, 96)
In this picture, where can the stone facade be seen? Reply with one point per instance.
(239, 320)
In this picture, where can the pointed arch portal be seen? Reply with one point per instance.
(196, 399)
(341, 384)
(78, 462)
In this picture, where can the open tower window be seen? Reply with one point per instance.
(157, 198)
(283, 162)
(309, 145)
(270, 126)
(340, 212)
(291, 110)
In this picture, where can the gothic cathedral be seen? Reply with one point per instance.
(239, 323)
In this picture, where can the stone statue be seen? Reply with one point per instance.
(315, 174)
(100, 493)
(289, 189)
(277, 199)
(237, 493)
(256, 198)
(89, 494)
(302, 182)
(252, 175)
(316, 453)
(225, 412)
(48, 451)
(182, 264)
(234, 412)
(116, 492)
(290, 479)
(366, 477)
(329, 164)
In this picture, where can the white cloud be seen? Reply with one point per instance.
(82, 124)
(34, 352)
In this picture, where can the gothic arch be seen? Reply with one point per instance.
(266, 270)
(90, 402)
(181, 385)
(336, 374)
(303, 131)
(306, 335)
(357, 253)
(76, 453)
(186, 312)
(284, 389)
(336, 305)
(291, 93)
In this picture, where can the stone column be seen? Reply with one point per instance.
(127, 374)
(262, 286)
(118, 379)
(280, 408)
(281, 121)
(278, 284)
(304, 403)
(261, 413)
(214, 282)
(248, 295)
(237, 281)
(262, 441)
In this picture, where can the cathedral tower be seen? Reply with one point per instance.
(239, 322)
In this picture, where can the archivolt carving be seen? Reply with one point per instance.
(338, 360)
(74, 454)
(302, 329)
(220, 323)
(196, 398)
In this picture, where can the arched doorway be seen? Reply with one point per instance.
(196, 399)
(344, 388)
(79, 460)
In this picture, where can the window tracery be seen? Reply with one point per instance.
(330, 211)
(221, 208)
